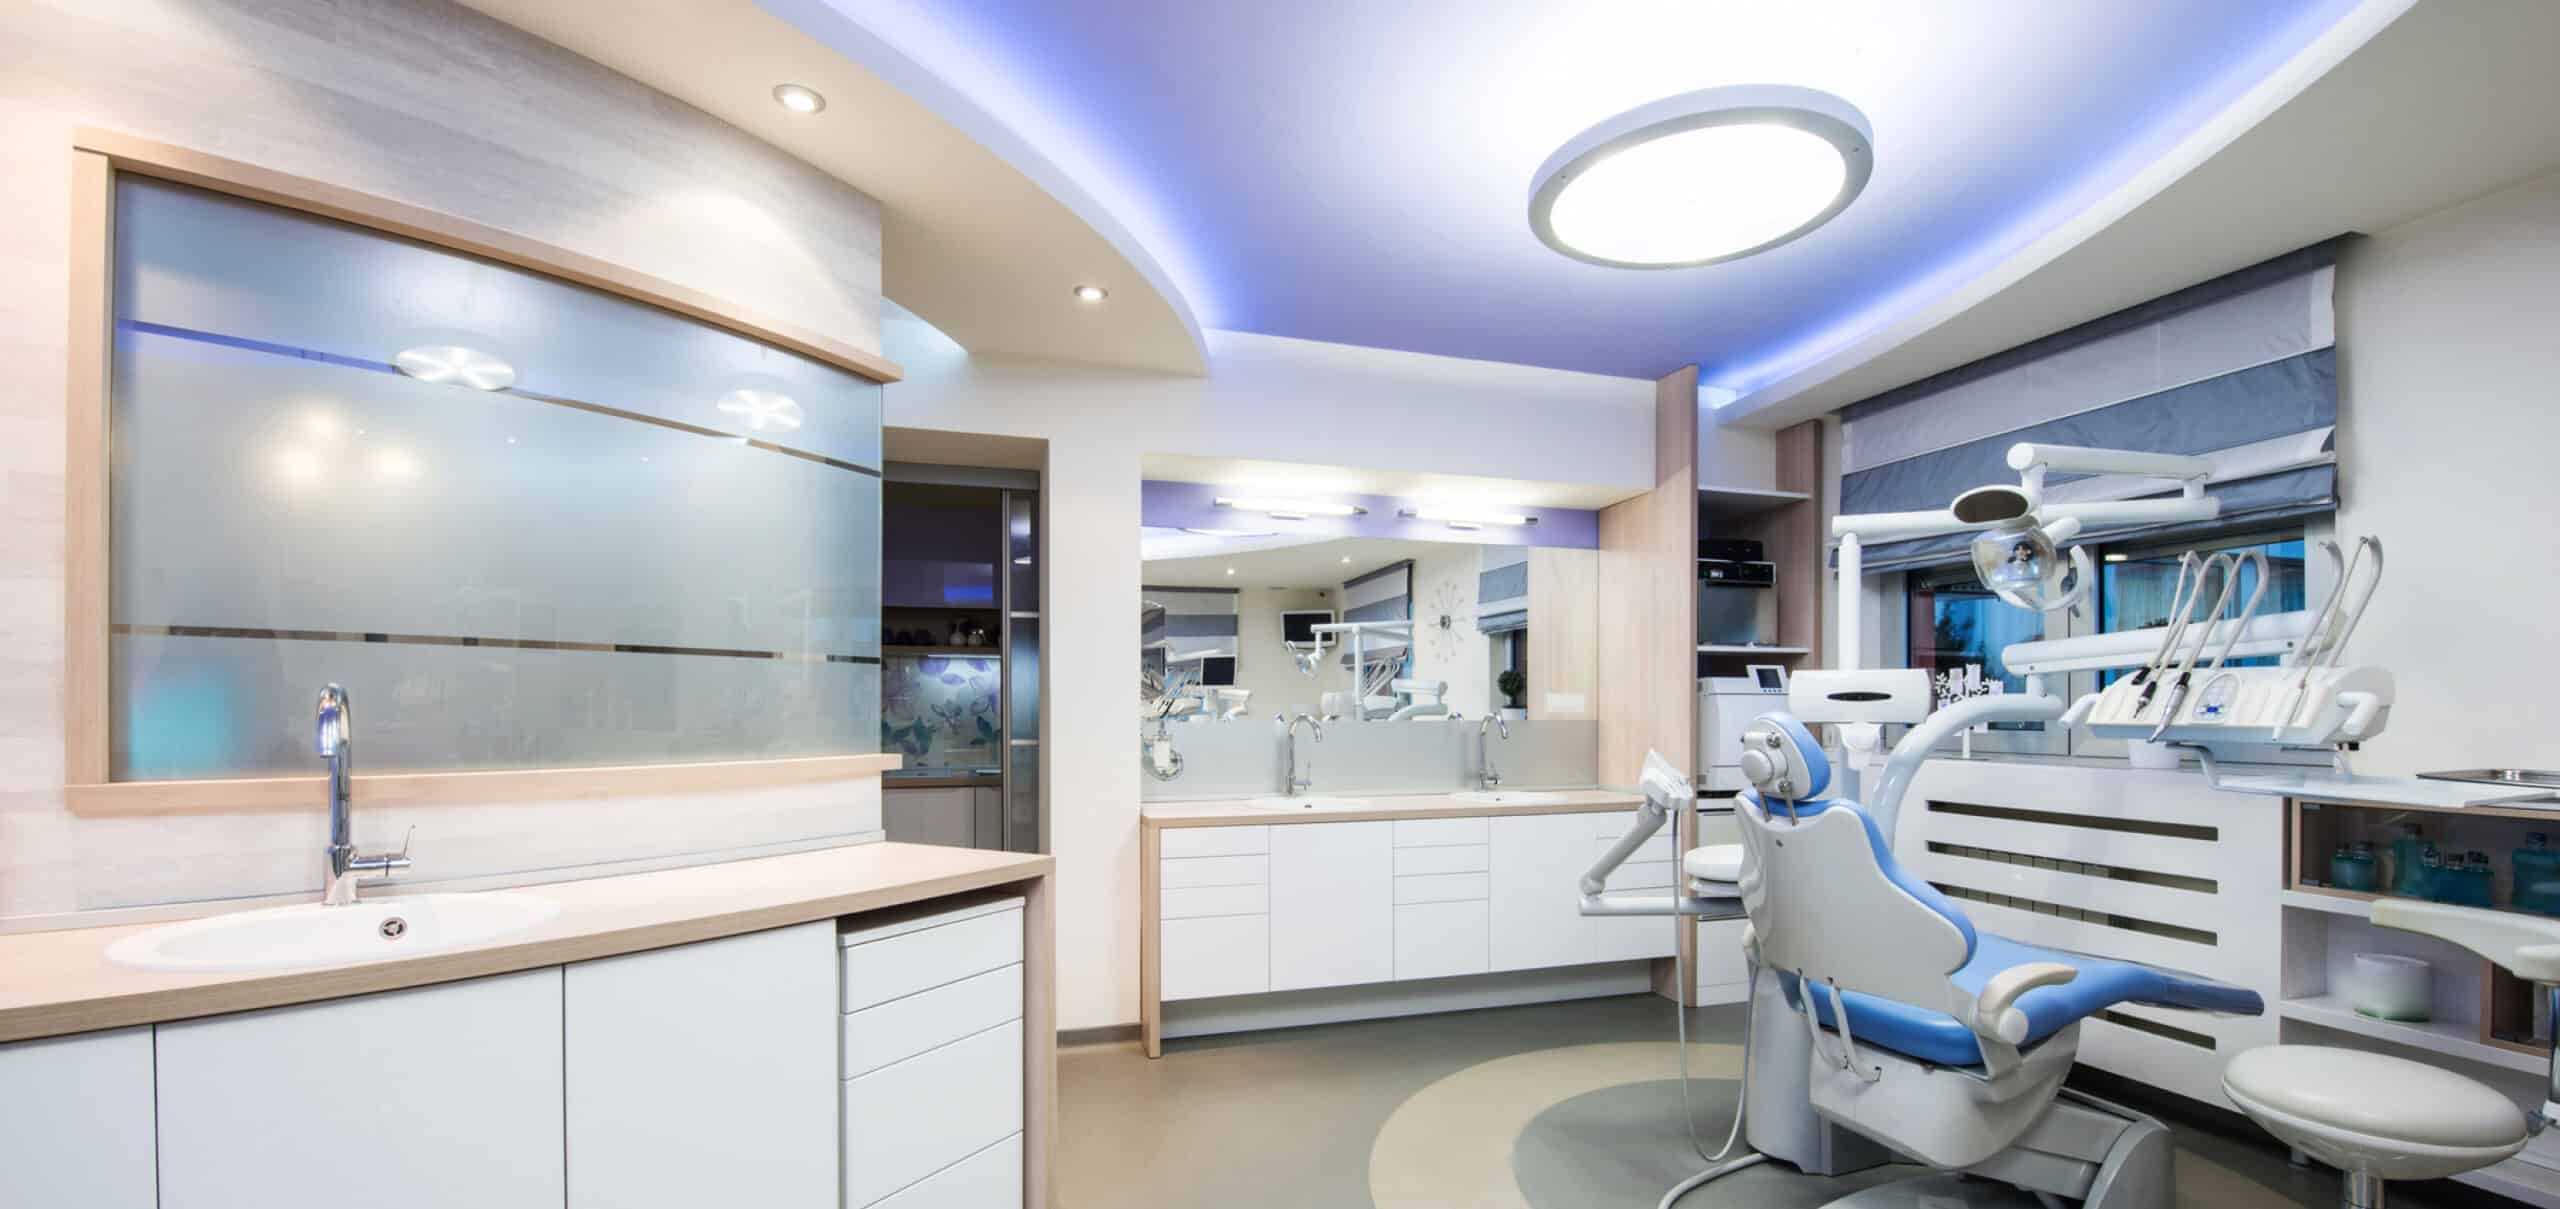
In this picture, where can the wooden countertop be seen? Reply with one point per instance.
(53, 983)
(1232, 812)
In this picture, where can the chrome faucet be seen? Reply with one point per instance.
(1487, 776)
(1291, 782)
(337, 746)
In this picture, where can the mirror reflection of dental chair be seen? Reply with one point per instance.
(2376, 1117)
(1944, 1045)
(1415, 699)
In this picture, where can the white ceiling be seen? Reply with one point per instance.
(973, 241)
(2451, 101)
(1317, 564)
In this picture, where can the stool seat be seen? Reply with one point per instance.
(2373, 1114)
(1714, 863)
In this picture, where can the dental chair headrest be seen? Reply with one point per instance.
(1782, 760)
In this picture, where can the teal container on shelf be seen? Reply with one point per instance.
(2431, 880)
(2354, 869)
(2408, 874)
(2472, 881)
(2537, 876)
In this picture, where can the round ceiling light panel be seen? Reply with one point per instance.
(1703, 177)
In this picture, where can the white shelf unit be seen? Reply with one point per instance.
(2449, 1038)
(1726, 503)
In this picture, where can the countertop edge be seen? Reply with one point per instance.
(256, 990)
(1594, 801)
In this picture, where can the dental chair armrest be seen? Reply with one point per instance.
(1995, 1012)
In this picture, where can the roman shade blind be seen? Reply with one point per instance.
(1502, 590)
(2242, 369)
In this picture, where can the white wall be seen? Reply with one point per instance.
(425, 102)
(2449, 351)
(1264, 397)
(1467, 662)
(1262, 666)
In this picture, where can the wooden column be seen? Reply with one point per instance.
(1649, 619)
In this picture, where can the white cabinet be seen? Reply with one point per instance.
(1537, 911)
(440, 1096)
(1443, 940)
(75, 1122)
(1332, 904)
(705, 1073)
(932, 1065)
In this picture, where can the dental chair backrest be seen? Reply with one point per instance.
(1826, 898)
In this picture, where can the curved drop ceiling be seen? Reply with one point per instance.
(1359, 172)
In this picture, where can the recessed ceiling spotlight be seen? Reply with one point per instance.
(1231, 570)
(1091, 293)
(763, 410)
(1702, 177)
(798, 98)
(456, 364)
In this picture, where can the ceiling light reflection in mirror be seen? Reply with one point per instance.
(456, 364)
(764, 410)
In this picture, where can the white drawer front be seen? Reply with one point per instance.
(1642, 875)
(1417, 833)
(909, 1120)
(902, 1028)
(1460, 858)
(1444, 888)
(1610, 824)
(1442, 940)
(1213, 841)
(989, 1179)
(1197, 902)
(1659, 848)
(881, 970)
(1200, 958)
(1175, 874)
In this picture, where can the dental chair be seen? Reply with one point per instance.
(1945, 1045)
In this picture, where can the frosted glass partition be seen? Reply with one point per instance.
(600, 564)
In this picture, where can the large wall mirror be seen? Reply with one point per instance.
(1251, 627)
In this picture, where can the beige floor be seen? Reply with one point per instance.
(1555, 1106)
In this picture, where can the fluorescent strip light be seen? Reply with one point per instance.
(1287, 509)
(1463, 518)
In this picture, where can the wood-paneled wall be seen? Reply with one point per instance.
(1648, 622)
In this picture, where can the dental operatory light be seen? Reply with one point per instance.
(1702, 177)
(455, 364)
(1091, 293)
(1465, 518)
(798, 98)
(1289, 509)
(764, 410)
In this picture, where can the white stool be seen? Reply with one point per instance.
(2373, 1116)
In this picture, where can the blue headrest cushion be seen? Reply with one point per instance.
(1816, 764)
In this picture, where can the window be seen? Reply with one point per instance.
(1952, 623)
(2137, 586)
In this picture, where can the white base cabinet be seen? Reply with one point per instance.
(75, 1122)
(700, 1074)
(440, 1096)
(1332, 893)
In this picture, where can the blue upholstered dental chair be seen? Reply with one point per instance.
(1946, 1045)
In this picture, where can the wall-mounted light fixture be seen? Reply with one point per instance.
(1289, 509)
(1467, 518)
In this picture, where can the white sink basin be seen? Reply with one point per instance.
(1510, 797)
(1305, 803)
(290, 938)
